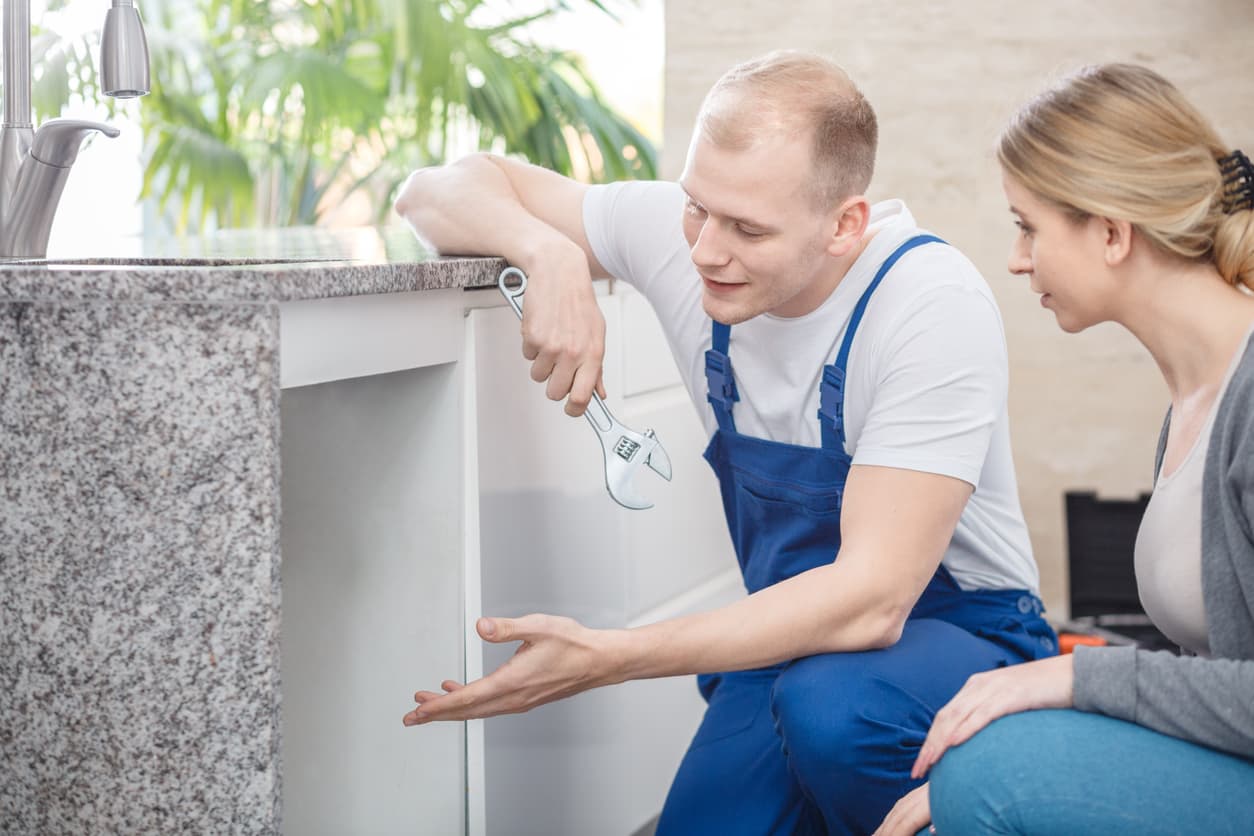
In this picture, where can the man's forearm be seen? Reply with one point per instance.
(824, 610)
(471, 208)
(895, 527)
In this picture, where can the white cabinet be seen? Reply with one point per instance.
(427, 480)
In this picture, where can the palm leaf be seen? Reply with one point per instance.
(262, 108)
(329, 94)
(187, 163)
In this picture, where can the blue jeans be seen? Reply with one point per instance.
(1075, 773)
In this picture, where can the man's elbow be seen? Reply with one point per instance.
(885, 626)
(407, 198)
(423, 188)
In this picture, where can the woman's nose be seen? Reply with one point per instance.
(1020, 262)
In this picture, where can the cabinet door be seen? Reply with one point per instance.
(553, 541)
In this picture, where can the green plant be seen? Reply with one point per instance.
(270, 113)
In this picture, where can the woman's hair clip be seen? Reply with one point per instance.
(1238, 189)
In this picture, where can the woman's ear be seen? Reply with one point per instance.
(1117, 236)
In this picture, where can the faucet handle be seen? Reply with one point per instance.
(57, 141)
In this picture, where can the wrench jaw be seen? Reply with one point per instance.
(618, 483)
(624, 450)
(657, 460)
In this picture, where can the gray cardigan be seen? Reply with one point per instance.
(1205, 700)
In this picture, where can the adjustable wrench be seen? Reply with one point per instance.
(623, 449)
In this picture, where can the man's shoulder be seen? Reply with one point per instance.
(894, 226)
(943, 263)
(935, 273)
(635, 228)
(630, 210)
(934, 299)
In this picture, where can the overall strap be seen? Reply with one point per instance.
(832, 389)
(719, 382)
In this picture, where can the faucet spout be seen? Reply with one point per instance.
(32, 204)
(124, 53)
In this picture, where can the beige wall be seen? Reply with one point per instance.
(1085, 410)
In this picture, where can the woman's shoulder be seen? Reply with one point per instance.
(1237, 406)
(1230, 457)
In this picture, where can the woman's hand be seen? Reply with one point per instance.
(909, 815)
(1046, 683)
(558, 658)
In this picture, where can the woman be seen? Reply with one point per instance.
(1130, 209)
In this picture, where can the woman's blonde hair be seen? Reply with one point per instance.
(1120, 141)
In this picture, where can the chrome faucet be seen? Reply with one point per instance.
(34, 165)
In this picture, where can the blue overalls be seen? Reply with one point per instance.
(824, 744)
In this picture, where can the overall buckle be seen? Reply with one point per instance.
(719, 380)
(832, 398)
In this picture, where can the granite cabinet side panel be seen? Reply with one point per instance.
(139, 560)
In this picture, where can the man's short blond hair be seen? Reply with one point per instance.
(788, 91)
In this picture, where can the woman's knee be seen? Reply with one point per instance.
(975, 783)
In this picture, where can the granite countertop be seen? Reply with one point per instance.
(272, 265)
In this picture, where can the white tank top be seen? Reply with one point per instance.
(1169, 542)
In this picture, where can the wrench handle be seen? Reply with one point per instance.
(513, 295)
(607, 420)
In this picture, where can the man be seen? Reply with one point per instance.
(867, 482)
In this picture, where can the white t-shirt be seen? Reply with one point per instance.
(927, 372)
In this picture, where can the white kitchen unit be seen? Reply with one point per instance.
(367, 622)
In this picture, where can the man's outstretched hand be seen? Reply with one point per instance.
(558, 658)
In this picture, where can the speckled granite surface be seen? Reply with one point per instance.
(139, 533)
(268, 265)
